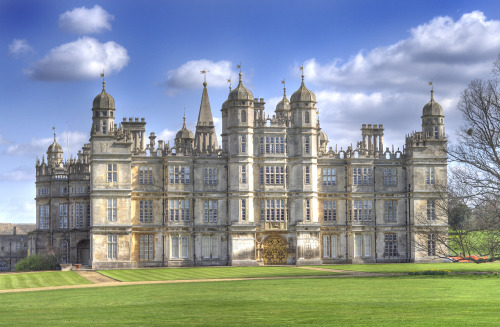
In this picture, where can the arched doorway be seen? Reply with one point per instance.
(275, 250)
(83, 252)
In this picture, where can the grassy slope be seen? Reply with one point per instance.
(40, 279)
(406, 267)
(387, 301)
(209, 273)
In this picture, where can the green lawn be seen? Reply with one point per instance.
(40, 279)
(209, 273)
(383, 301)
(406, 267)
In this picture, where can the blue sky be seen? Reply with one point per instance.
(367, 62)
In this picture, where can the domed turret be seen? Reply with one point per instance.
(303, 94)
(103, 100)
(55, 153)
(240, 93)
(184, 132)
(432, 108)
(433, 120)
(103, 109)
(184, 140)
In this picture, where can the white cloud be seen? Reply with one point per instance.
(19, 48)
(166, 135)
(84, 58)
(188, 75)
(86, 21)
(389, 84)
(38, 147)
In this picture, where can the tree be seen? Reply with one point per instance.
(475, 218)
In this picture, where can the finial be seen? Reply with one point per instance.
(302, 75)
(432, 91)
(103, 81)
(229, 81)
(239, 67)
(284, 88)
(204, 72)
(54, 129)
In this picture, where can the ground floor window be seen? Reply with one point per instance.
(330, 246)
(112, 246)
(391, 245)
(146, 247)
(179, 247)
(363, 245)
(431, 244)
(210, 247)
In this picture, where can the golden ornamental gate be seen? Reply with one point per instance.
(275, 250)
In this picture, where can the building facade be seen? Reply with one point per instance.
(13, 244)
(273, 193)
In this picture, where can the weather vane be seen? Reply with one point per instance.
(229, 81)
(204, 72)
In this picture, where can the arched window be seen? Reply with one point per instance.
(307, 119)
(243, 116)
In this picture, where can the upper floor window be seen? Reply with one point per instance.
(307, 118)
(44, 191)
(145, 175)
(389, 176)
(272, 175)
(307, 175)
(104, 127)
(329, 176)
(44, 216)
(243, 144)
(63, 190)
(210, 176)
(243, 209)
(63, 216)
(179, 209)
(390, 210)
(272, 210)
(243, 174)
(146, 211)
(79, 215)
(112, 173)
(307, 205)
(330, 211)
(362, 210)
(272, 144)
(436, 132)
(429, 175)
(362, 176)
(243, 116)
(306, 144)
(179, 174)
(111, 209)
(431, 210)
(211, 211)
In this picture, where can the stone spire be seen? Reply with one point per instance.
(205, 136)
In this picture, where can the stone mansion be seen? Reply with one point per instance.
(273, 193)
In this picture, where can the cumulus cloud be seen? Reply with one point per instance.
(166, 135)
(38, 147)
(84, 58)
(188, 75)
(86, 21)
(19, 48)
(389, 84)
